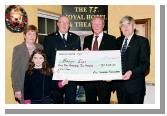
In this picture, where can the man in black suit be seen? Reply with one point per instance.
(62, 40)
(135, 56)
(98, 41)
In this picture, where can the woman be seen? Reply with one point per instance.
(21, 55)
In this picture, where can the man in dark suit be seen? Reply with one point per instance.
(62, 40)
(135, 56)
(98, 41)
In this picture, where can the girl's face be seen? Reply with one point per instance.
(38, 60)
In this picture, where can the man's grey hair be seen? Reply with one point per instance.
(62, 17)
(127, 18)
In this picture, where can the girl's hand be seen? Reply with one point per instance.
(64, 82)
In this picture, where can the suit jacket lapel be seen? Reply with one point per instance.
(130, 45)
(70, 40)
(131, 42)
(90, 42)
(59, 38)
(69, 37)
(102, 41)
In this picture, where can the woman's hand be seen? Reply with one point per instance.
(18, 95)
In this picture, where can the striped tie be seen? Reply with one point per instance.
(64, 40)
(123, 50)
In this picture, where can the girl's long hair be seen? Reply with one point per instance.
(46, 70)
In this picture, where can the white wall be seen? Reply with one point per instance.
(150, 94)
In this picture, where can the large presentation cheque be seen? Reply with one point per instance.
(88, 65)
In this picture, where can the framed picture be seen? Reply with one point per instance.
(143, 28)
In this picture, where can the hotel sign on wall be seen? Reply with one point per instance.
(81, 15)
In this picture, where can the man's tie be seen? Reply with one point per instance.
(95, 45)
(123, 50)
(64, 40)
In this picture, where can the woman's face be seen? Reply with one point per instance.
(38, 60)
(30, 37)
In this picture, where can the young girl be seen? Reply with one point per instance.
(38, 80)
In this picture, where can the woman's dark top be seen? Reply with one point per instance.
(37, 85)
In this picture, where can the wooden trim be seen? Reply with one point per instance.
(147, 23)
